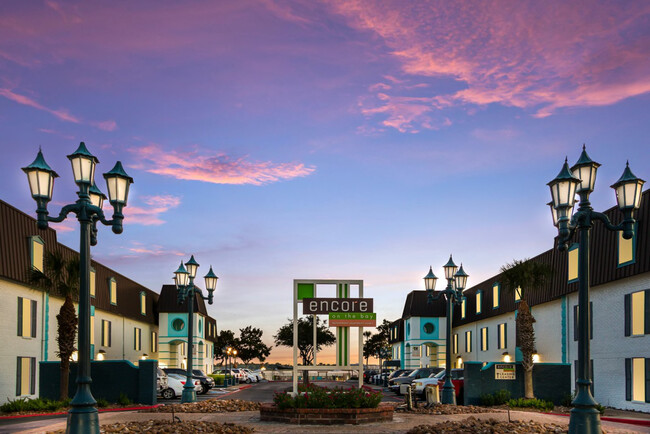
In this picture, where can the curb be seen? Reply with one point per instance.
(59, 413)
(641, 422)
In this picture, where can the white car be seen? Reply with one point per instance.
(421, 383)
(252, 375)
(175, 383)
(258, 373)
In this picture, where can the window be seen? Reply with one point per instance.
(636, 372)
(429, 328)
(106, 333)
(576, 321)
(462, 308)
(468, 341)
(573, 263)
(502, 336)
(25, 376)
(496, 292)
(455, 343)
(637, 313)
(143, 303)
(415, 352)
(178, 324)
(92, 282)
(517, 294)
(26, 318)
(154, 342)
(92, 325)
(112, 289)
(137, 338)
(484, 339)
(479, 299)
(626, 249)
(36, 246)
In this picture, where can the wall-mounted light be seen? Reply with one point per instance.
(506, 357)
(101, 355)
(144, 356)
(75, 355)
(535, 358)
(459, 362)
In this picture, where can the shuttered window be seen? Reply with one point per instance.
(37, 248)
(462, 308)
(637, 379)
(26, 318)
(25, 376)
(455, 343)
(637, 313)
(576, 321)
(468, 341)
(154, 342)
(143, 303)
(137, 338)
(484, 339)
(496, 293)
(112, 289)
(573, 263)
(479, 301)
(106, 333)
(502, 336)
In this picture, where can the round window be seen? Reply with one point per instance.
(429, 328)
(178, 324)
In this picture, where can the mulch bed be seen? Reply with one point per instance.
(165, 426)
(472, 425)
(207, 406)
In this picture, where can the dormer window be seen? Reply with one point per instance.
(143, 303)
(496, 293)
(112, 290)
(37, 251)
(479, 299)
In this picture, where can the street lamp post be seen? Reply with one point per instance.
(580, 179)
(456, 281)
(83, 416)
(187, 291)
(228, 376)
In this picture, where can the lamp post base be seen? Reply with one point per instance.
(584, 420)
(448, 395)
(83, 420)
(189, 395)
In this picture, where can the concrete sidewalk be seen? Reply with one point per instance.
(401, 423)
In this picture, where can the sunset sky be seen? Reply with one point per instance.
(312, 139)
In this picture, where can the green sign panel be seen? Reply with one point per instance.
(352, 315)
(305, 290)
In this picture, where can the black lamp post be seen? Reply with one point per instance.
(580, 179)
(456, 281)
(83, 416)
(186, 290)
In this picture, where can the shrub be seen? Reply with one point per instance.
(124, 400)
(318, 397)
(36, 404)
(499, 397)
(219, 379)
(102, 403)
(539, 404)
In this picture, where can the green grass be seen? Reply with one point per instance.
(35, 404)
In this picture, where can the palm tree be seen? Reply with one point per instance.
(522, 276)
(61, 277)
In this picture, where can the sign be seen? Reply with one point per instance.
(321, 306)
(353, 319)
(504, 372)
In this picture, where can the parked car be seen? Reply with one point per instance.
(238, 374)
(207, 383)
(368, 374)
(175, 384)
(259, 374)
(456, 378)
(399, 373)
(254, 375)
(161, 381)
(395, 383)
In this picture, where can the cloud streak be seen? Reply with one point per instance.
(149, 215)
(537, 56)
(216, 168)
(61, 114)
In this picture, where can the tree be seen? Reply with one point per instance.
(225, 339)
(377, 345)
(324, 338)
(251, 346)
(524, 276)
(366, 335)
(61, 277)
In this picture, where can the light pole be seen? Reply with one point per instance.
(456, 281)
(580, 179)
(228, 370)
(83, 416)
(187, 291)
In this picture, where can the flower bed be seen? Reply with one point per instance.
(326, 416)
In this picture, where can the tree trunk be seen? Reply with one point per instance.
(67, 324)
(528, 383)
(526, 337)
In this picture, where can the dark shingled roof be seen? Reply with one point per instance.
(417, 305)
(168, 302)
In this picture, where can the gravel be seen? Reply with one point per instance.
(208, 406)
(446, 409)
(472, 425)
(164, 426)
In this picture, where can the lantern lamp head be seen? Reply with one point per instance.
(192, 266)
(450, 269)
(460, 278)
(563, 188)
(118, 183)
(41, 178)
(182, 276)
(83, 165)
(628, 190)
(430, 280)
(210, 281)
(97, 198)
(585, 170)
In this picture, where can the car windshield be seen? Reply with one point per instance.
(405, 373)
(414, 373)
(198, 372)
(439, 375)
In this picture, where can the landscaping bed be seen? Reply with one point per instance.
(208, 406)
(326, 416)
(445, 409)
(472, 425)
(165, 426)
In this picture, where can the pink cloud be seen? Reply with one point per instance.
(538, 56)
(141, 249)
(150, 215)
(216, 168)
(61, 114)
(405, 114)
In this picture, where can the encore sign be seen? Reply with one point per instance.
(321, 306)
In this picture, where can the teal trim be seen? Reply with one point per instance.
(618, 244)
(573, 247)
(519, 356)
(176, 333)
(47, 326)
(564, 328)
(435, 322)
(92, 310)
(401, 354)
(92, 351)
